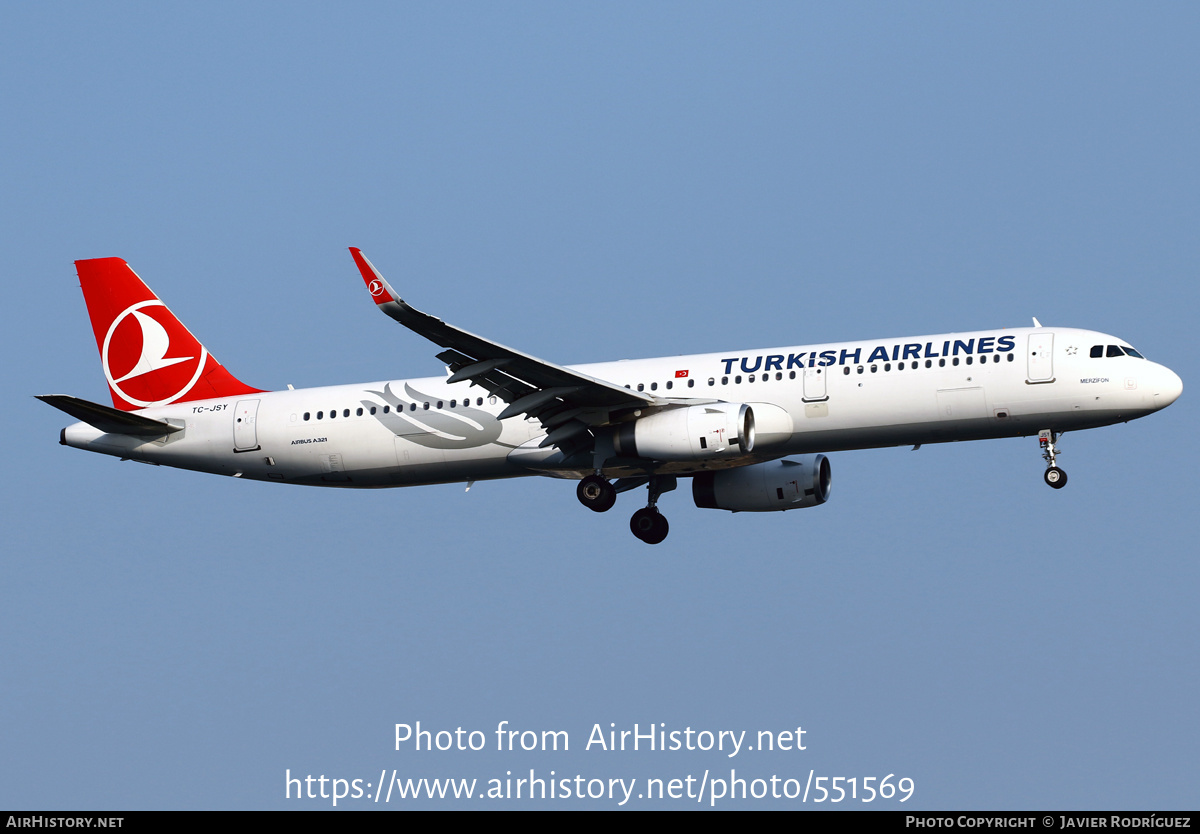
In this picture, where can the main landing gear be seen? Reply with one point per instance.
(1054, 476)
(649, 525)
(597, 494)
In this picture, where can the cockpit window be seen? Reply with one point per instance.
(1110, 351)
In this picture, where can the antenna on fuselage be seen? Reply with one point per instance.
(1036, 323)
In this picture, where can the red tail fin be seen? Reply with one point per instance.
(148, 356)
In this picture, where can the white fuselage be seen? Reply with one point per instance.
(806, 399)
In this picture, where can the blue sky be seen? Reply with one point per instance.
(594, 182)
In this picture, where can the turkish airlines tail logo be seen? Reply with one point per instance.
(149, 357)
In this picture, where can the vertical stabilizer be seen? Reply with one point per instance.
(149, 358)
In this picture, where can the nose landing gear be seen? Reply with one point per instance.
(1054, 476)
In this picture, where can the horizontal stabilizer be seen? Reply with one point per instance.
(107, 419)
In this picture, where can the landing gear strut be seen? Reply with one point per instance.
(1054, 476)
(648, 524)
(596, 493)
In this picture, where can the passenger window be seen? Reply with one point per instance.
(320, 414)
(345, 412)
(691, 383)
(306, 415)
(388, 408)
(332, 413)
(670, 385)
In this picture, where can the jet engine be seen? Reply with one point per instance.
(697, 432)
(765, 487)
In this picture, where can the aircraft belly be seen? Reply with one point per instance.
(960, 411)
(416, 464)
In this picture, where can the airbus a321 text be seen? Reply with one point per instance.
(750, 427)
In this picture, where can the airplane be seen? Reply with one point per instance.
(751, 428)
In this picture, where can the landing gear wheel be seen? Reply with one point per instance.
(649, 525)
(1055, 477)
(596, 494)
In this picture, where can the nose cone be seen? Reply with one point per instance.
(1167, 387)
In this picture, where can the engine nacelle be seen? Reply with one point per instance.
(765, 487)
(696, 432)
(773, 426)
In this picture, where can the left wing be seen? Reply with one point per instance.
(564, 401)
